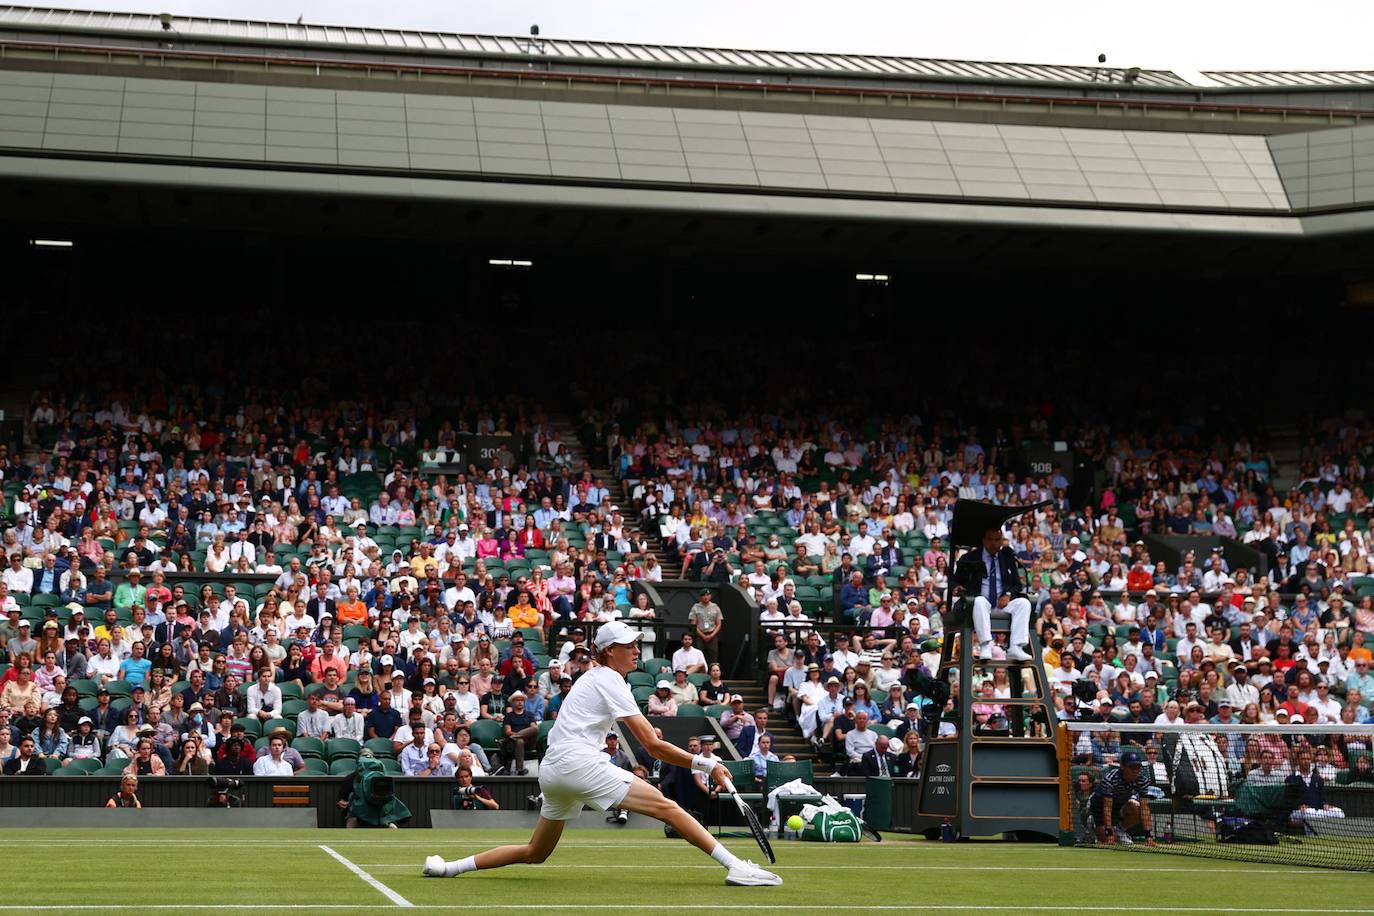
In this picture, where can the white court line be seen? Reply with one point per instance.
(1309, 872)
(697, 905)
(376, 885)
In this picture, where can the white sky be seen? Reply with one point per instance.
(1183, 35)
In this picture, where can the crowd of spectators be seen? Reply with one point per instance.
(847, 523)
(189, 589)
(377, 588)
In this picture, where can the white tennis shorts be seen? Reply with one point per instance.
(571, 783)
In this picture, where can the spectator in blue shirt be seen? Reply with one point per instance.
(383, 721)
(854, 598)
(134, 669)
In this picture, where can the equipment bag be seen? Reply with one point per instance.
(831, 826)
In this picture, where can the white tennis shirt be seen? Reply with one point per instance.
(596, 701)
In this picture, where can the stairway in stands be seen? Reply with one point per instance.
(787, 738)
(582, 454)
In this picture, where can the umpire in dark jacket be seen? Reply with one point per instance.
(989, 576)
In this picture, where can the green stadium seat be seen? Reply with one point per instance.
(642, 693)
(314, 766)
(691, 711)
(292, 708)
(698, 679)
(487, 733)
(86, 765)
(640, 679)
(336, 748)
(655, 666)
(716, 710)
(309, 747)
(544, 728)
(117, 688)
(390, 766)
(380, 747)
(272, 725)
(343, 766)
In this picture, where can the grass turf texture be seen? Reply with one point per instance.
(635, 870)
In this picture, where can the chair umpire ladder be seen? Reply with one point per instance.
(989, 783)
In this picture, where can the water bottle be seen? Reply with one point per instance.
(947, 834)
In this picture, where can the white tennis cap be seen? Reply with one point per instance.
(616, 633)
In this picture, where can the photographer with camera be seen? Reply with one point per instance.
(469, 797)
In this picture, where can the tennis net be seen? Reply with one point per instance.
(1291, 795)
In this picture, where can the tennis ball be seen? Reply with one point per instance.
(795, 823)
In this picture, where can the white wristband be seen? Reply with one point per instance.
(702, 764)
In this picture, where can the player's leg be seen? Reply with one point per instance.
(643, 798)
(541, 845)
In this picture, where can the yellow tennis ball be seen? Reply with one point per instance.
(795, 822)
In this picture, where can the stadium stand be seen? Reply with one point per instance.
(322, 543)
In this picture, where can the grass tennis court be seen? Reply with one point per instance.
(604, 870)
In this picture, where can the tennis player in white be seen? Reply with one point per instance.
(575, 772)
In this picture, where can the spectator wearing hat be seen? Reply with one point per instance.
(131, 591)
(661, 701)
(84, 743)
(706, 619)
(349, 723)
(703, 781)
(520, 729)
(1240, 691)
(739, 725)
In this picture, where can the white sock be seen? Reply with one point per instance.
(724, 856)
(460, 866)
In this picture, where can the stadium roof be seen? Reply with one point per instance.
(1254, 79)
(553, 49)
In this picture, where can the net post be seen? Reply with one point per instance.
(1063, 744)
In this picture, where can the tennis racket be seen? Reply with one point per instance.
(869, 832)
(752, 819)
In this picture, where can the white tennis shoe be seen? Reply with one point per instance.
(436, 867)
(747, 874)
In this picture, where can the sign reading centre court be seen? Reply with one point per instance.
(940, 787)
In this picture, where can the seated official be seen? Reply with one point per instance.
(991, 577)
